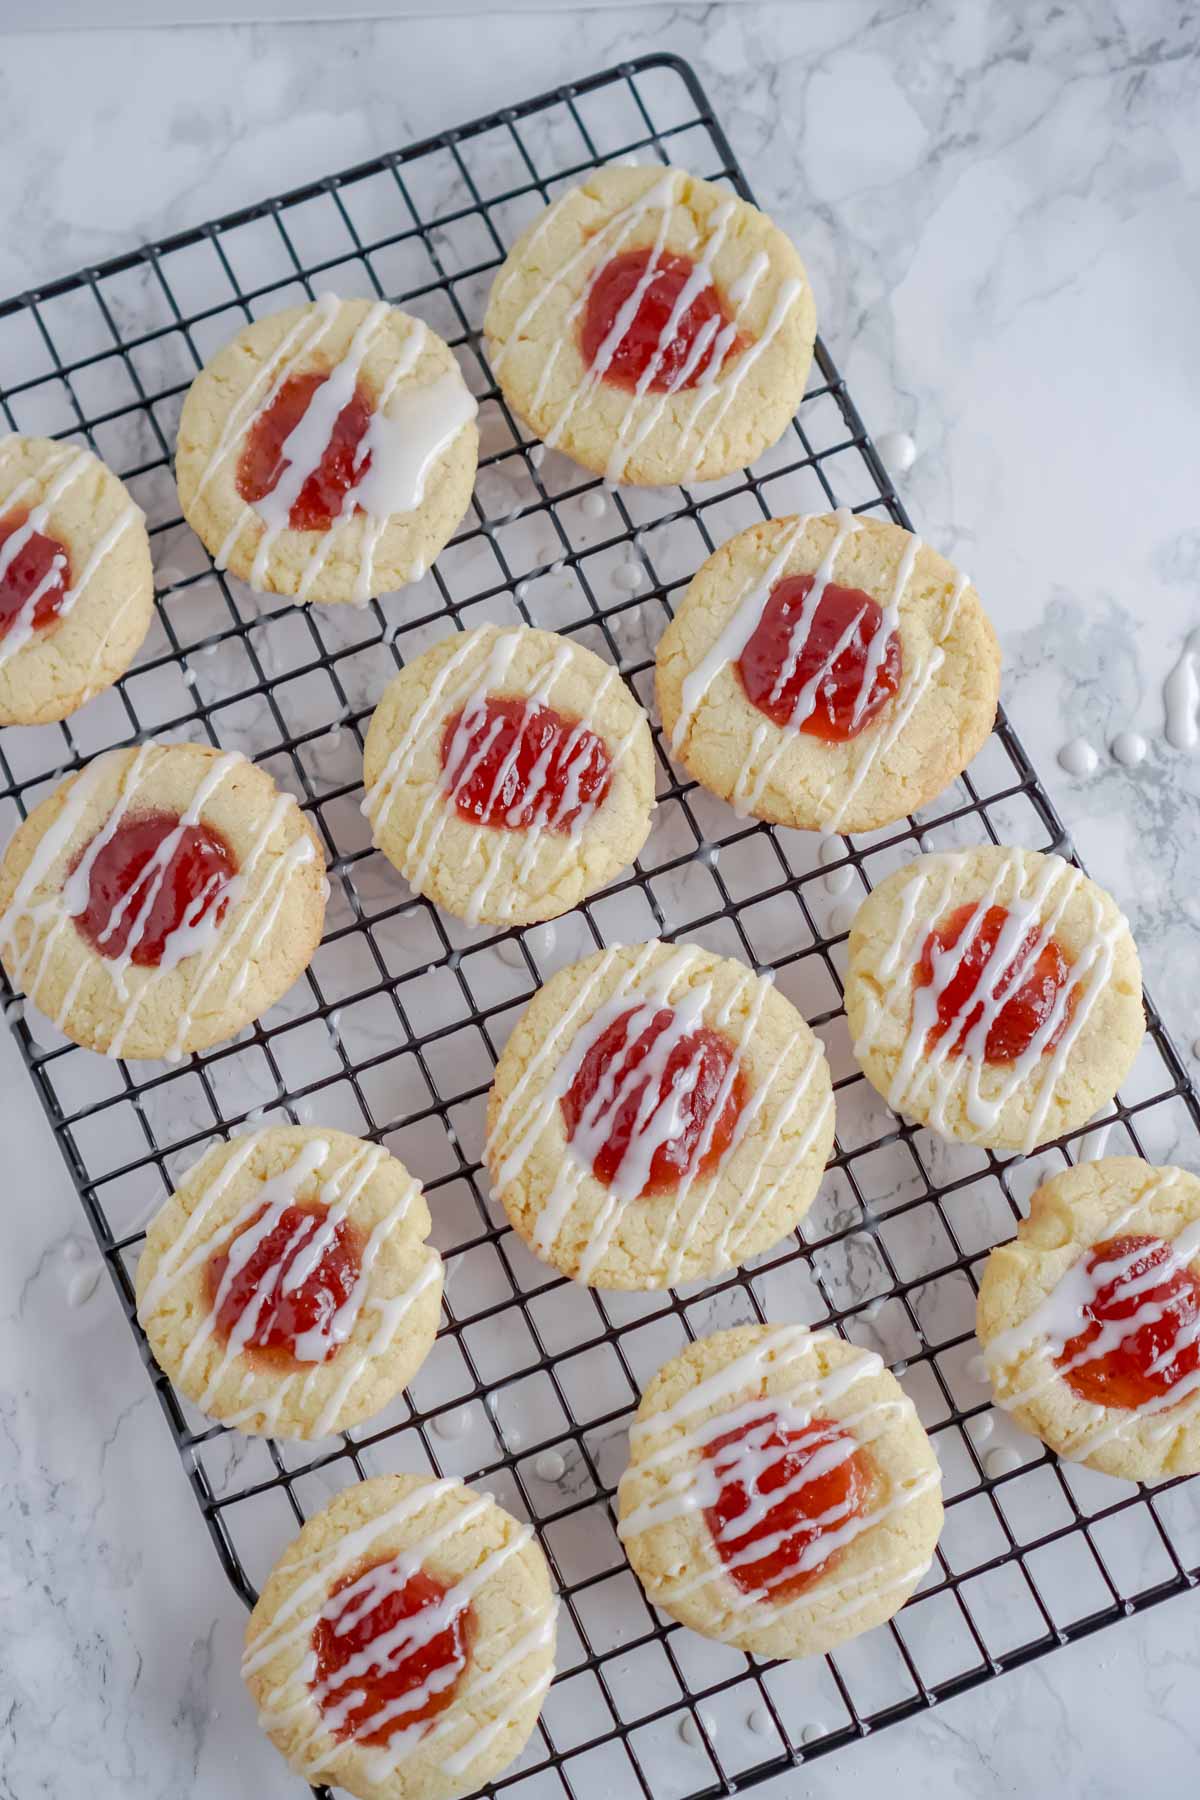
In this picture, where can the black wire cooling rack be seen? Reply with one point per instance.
(393, 1032)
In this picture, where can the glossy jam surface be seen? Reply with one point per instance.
(611, 1093)
(793, 670)
(262, 463)
(39, 566)
(1027, 990)
(1152, 1355)
(397, 1678)
(286, 1284)
(141, 892)
(823, 1481)
(680, 359)
(511, 764)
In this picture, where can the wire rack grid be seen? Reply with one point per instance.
(395, 1028)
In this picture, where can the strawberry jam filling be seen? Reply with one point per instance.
(153, 877)
(267, 453)
(36, 568)
(828, 674)
(1143, 1330)
(1027, 990)
(645, 1113)
(783, 1488)
(389, 1653)
(513, 764)
(278, 1291)
(669, 339)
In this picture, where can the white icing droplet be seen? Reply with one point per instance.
(537, 455)
(758, 1720)
(594, 505)
(72, 1251)
(842, 917)
(897, 451)
(976, 1367)
(811, 1733)
(708, 853)
(900, 1368)
(82, 1286)
(629, 575)
(454, 1424)
(983, 1428)
(1078, 757)
(1196, 1049)
(1181, 697)
(14, 1012)
(873, 1310)
(333, 1025)
(1092, 1144)
(838, 880)
(1130, 748)
(1001, 1461)
(689, 1730)
(550, 1466)
(831, 849)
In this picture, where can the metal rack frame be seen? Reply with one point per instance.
(148, 317)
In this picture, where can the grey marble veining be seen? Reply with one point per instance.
(998, 207)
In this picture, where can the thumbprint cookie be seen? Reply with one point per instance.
(659, 1114)
(76, 583)
(994, 994)
(328, 451)
(509, 773)
(827, 673)
(404, 1642)
(781, 1494)
(286, 1286)
(653, 327)
(1090, 1318)
(161, 899)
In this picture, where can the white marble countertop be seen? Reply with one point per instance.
(999, 211)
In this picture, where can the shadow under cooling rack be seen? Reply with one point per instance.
(394, 1030)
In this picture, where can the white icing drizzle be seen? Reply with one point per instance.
(645, 408)
(240, 1235)
(63, 470)
(458, 1730)
(644, 989)
(252, 898)
(1022, 1361)
(693, 1480)
(937, 1072)
(409, 429)
(463, 686)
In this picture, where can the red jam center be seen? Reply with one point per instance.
(679, 1111)
(286, 1293)
(678, 362)
(512, 764)
(1027, 990)
(262, 463)
(40, 566)
(375, 1692)
(823, 675)
(1155, 1354)
(825, 1481)
(135, 899)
